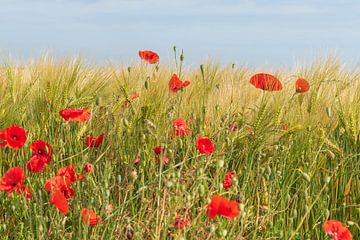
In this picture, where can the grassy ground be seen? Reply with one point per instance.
(297, 156)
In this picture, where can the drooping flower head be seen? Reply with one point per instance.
(223, 207)
(90, 218)
(181, 128)
(149, 56)
(175, 84)
(302, 86)
(94, 142)
(266, 82)
(337, 230)
(14, 137)
(12, 180)
(205, 145)
(76, 115)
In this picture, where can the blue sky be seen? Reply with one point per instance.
(257, 32)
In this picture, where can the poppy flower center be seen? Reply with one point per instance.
(14, 183)
(40, 152)
(14, 137)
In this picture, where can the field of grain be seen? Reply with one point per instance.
(293, 158)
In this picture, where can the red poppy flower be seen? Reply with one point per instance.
(36, 163)
(302, 86)
(228, 180)
(24, 190)
(88, 168)
(149, 56)
(94, 142)
(181, 128)
(137, 160)
(134, 95)
(42, 154)
(181, 223)
(175, 84)
(90, 218)
(69, 172)
(266, 82)
(158, 150)
(205, 145)
(58, 199)
(60, 184)
(42, 148)
(76, 115)
(12, 180)
(13, 137)
(222, 206)
(337, 230)
(232, 127)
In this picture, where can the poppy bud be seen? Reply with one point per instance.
(202, 70)
(134, 175)
(119, 179)
(294, 213)
(182, 56)
(224, 232)
(201, 190)
(146, 84)
(212, 228)
(350, 223)
(327, 214)
(327, 179)
(306, 176)
(221, 163)
(125, 122)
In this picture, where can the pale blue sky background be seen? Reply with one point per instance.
(258, 32)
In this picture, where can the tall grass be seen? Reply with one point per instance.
(296, 155)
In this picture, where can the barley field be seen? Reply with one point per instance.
(127, 155)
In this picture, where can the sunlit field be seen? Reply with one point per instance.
(214, 152)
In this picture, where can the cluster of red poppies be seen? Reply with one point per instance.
(59, 186)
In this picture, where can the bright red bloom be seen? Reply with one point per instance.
(60, 184)
(88, 168)
(149, 56)
(302, 86)
(181, 223)
(181, 128)
(42, 155)
(76, 115)
(266, 82)
(58, 199)
(222, 206)
(337, 230)
(228, 180)
(205, 145)
(158, 150)
(90, 218)
(69, 172)
(94, 142)
(12, 180)
(175, 84)
(42, 148)
(137, 159)
(14, 137)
